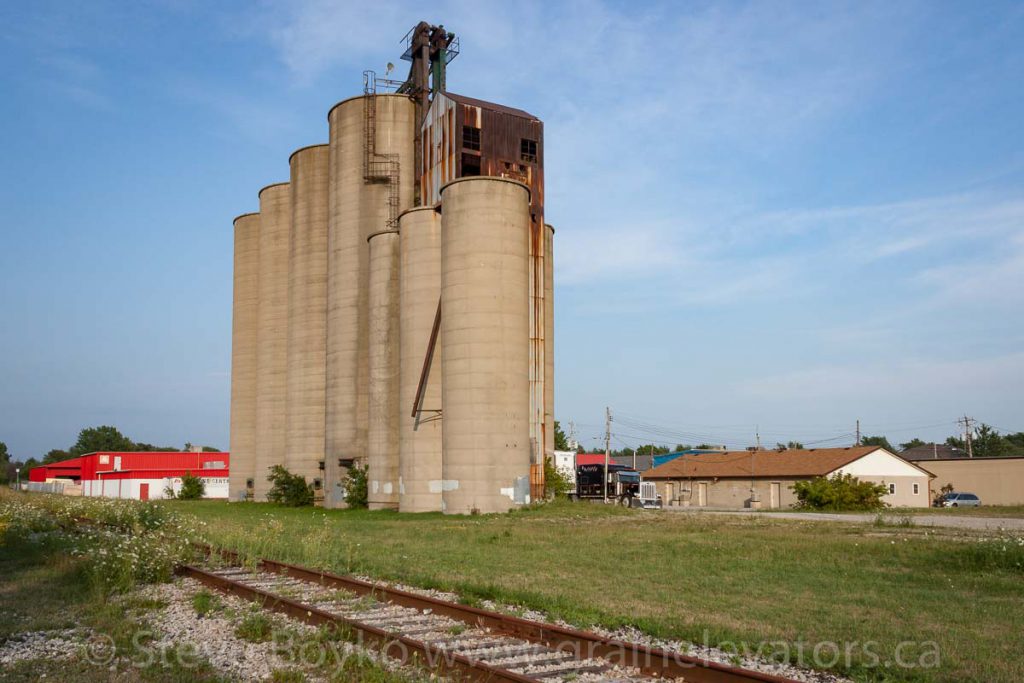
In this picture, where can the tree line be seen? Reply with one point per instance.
(90, 440)
(986, 442)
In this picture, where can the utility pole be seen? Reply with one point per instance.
(607, 447)
(967, 422)
(757, 435)
(858, 431)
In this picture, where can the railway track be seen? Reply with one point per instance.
(464, 642)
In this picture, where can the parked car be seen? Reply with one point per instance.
(959, 500)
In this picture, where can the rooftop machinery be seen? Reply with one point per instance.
(393, 302)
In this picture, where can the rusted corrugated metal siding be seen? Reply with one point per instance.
(502, 131)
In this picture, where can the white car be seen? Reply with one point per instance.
(960, 500)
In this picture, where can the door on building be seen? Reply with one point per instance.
(669, 493)
(776, 496)
(702, 494)
(143, 491)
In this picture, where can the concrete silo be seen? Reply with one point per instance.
(382, 432)
(245, 306)
(307, 314)
(371, 182)
(419, 417)
(549, 342)
(485, 344)
(272, 359)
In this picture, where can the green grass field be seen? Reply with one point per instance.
(707, 579)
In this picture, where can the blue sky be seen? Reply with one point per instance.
(782, 216)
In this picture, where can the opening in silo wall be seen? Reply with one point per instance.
(382, 436)
(244, 339)
(420, 472)
(358, 208)
(305, 410)
(272, 358)
(485, 360)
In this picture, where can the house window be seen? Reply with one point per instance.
(917, 489)
(249, 483)
(892, 488)
(317, 484)
(471, 138)
(320, 465)
(528, 150)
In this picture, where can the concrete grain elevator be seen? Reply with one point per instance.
(393, 303)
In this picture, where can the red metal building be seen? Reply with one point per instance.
(140, 475)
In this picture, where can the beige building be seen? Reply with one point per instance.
(997, 481)
(737, 479)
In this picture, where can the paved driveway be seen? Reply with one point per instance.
(947, 521)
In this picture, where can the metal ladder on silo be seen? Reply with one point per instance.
(378, 168)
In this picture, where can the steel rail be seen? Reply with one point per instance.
(581, 644)
(393, 645)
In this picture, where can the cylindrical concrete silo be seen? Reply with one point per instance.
(485, 352)
(244, 330)
(420, 472)
(382, 440)
(307, 313)
(272, 358)
(549, 342)
(365, 190)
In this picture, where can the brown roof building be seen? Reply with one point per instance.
(735, 479)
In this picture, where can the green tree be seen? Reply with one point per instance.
(561, 443)
(838, 492)
(987, 442)
(5, 461)
(356, 492)
(103, 438)
(192, 487)
(913, 443)
(1014, 444)
(288, 489)
(792, 445)
(956, 442)
(143, 447)
(877, 441)
(55, 455)
(555, 483)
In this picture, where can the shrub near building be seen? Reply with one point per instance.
(838, 493)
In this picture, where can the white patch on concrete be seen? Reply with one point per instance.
(434, 486)
(388, 487)
(401, 487)
(375, 486)
(441, 485)
(510, 492)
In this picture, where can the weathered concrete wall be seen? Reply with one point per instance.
(305, 409)
(485, 327)
(382, 436)
(244, 340)
(357, 209)
(420, 471)
(272, 354)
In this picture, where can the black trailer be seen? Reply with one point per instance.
(623, 485)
